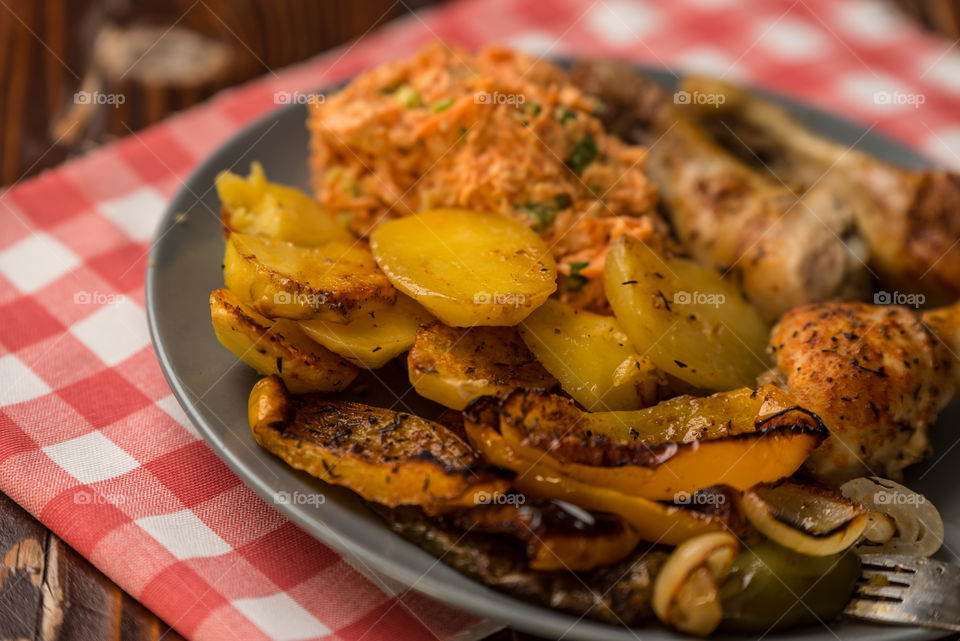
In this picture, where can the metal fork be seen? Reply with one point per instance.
(907, 590)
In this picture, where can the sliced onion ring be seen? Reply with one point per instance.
(919, 528)
(807, 519)
(685, 592)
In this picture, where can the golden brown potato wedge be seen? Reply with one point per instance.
(454, 365)
(253, 205)
(591, 357)
(335, 282)
(555, 537)
(653, 521)
(466, 267)
(541, 426)
(371, 340)
(388, 457)
(277, 347)
(688, 320)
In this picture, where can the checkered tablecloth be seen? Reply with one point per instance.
(93, 443)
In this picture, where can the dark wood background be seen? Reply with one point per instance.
(160, 55)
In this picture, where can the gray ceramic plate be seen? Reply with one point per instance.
(213, 388)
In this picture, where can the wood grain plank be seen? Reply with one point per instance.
(48, 592)
(22, 544)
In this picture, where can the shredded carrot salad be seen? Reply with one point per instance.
(496, 131)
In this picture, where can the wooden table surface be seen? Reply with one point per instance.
(48, 591)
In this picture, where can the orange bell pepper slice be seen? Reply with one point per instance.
(737, 438)
(655, 522)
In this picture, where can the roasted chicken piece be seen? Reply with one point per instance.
(877, 375)
(909, 219)
(783, 250)
(945, 325)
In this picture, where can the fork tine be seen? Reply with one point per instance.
(878, 611)
(889, 563)
(907, 590)
(886, 591)
(900, 579)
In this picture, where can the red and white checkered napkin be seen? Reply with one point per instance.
(93, 443)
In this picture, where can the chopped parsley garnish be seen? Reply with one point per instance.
(582, 154)
(407, 96)
(535, 109)
(576, 280)
(442, 105)
(543, 214)
(565, 113)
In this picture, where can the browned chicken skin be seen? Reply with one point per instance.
(910, 219)
(875, 374)
(782, 250)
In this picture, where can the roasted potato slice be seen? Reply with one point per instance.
(591, 357)
(467, 268)
(556, 538)
(541, 426)
(687, 319)
(454, 365)
(371, 340)
(252, 205)
(653, 521)
(337, 281)
(388, 457)
(277, 347)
